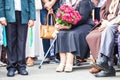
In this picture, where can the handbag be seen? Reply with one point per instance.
(47, 30)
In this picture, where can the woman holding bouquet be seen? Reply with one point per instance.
(71, 42)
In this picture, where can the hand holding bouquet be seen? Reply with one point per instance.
(67, 16)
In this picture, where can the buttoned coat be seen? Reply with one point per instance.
(7, 10)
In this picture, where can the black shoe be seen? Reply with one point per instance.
(102, 63)
(22, 71)
(77, 63)
(46, 61)
(118, 63)
(106, 73)
(57, 60)
(11, 72)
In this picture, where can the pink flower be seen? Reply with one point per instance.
(75, 22)
(64, 18)
(67, 10)
(71, 14)
(58, 15)
(67, 16)
(62, 8)
(70, 20)
(71, 8)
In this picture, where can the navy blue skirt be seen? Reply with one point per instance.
(74, 41)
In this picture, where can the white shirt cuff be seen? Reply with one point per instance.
(2, 19)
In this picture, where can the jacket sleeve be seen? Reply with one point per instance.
(2, 8)
(32, 9)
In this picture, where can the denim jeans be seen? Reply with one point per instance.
(46, 42)
(119, 45)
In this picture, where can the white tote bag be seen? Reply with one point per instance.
(38, 4)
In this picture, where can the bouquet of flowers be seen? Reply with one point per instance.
(67, 16)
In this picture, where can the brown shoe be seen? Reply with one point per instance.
(94, 70)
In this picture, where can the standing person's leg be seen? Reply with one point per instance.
(118, 63)
(11, 48)
(21, 44)
(3, 55)
(0, 51)
(1, 63)
(30, 47)
(106, 52)
(46, 42)
(0, 55)
(52, 51)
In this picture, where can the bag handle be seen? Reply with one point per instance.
(47, 18)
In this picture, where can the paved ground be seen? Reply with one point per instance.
(47, 72)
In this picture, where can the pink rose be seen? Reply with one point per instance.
(67, 10)
(62, 8)
(58, 15)
(64, 18)
(67, 14)
(71, 14)
(75, 22)
(71, 9)
(70, 20)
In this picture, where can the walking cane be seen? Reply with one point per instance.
(47, 51)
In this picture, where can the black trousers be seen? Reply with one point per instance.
(16, 40)
(97, 13)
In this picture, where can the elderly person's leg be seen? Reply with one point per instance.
(93, 40)
(106, 52)
(66, 62)
(61, 66)
(69, 62)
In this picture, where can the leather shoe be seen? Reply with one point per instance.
(78, 63)
(94, 70)
(106, 73)
(11, 72)
(22, 71)
(102, 63)
(46, 61)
